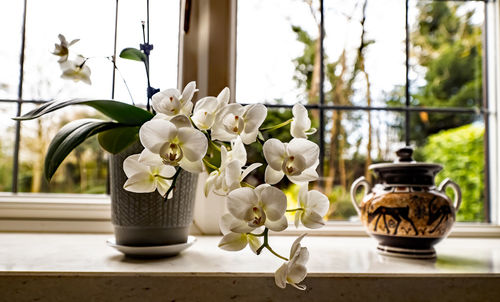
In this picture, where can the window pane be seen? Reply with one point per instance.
(364, 51)
(460, 149)
(11, 18)
(7, 111)
(267, 50)
(446, 53)
(349, 152)
(90, 21)
(164, 35)
(83, 171)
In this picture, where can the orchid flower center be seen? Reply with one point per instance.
(171, 154)
(293, 165)
(259, 217)
(233, 123)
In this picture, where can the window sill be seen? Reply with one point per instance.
(86, 213)
(69, 267)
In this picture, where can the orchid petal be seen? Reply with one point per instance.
(140, 183)
(312, 220)
(162, 185)
(194, 144)
(240, 203)
(277, 225)
(274, 152)
(280, 276)
(150, 159)
(296, 245)
(273, 176)
(254, 243)
(301, 122)
(318, 202)
(274, 201)
(304, 147)
(249, 169)
(131, 166)
(188, 91)
(254, 116)
(155, 133)
(191, 166)
(223, 98)
(233, 242)
(307, 175)
(209, 183)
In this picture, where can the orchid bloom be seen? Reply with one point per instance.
(177, 146)
(301, 124)
(293, 271)
(206, 109)
(76, 70)
(172, 102)
(62, 50)
(235, 120)
(237, 234)
(230, 174)
(297, 160)
(314, 206)
(262, 206)
(146, 178)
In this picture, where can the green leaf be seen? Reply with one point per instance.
(118, 139)
(118, 111)
(132, 54)
(69, 137)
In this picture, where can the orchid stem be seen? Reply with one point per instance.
(174, 180)
(295, 210)
(246, 184)
(112, 59)
(210, 165)
(267, 246)
(277, 126)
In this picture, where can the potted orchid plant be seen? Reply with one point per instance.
(210, 135)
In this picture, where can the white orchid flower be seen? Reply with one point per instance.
(237, 234)
(62, 50)
(297, 160)
(301, 124)
(262, 206)
(177, 146)
(235, 120)
(76, 70)
(231, 172)
(172, 102)
(146, 178)
(314, 206)
(293, 271)
(206, 109)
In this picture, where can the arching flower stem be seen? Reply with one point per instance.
(174, 180)
(266, 245)
(271, 128)
(295, 210)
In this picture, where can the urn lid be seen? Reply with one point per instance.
(406, 171)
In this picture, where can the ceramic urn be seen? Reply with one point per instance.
(404, 210)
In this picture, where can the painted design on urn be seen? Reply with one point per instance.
(397, 214)
(442, 213)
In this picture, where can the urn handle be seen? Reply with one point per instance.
(354, 187)
(456, 189)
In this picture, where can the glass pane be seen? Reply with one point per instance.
(459, 147)
(90, 21)
(164, 35)
(83, 171)
(446, 53)
(7, 111)
(11, 18)
(267, 50)
(349, 152)
(364, 51)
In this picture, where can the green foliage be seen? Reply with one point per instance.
(118, 111)
(133, 54)
(118, 139)
(461, 152)
(68, 138)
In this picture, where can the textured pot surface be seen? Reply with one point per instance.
(145, 219)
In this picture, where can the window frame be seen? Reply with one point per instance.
(197, 58)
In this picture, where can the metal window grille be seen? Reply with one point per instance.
(321, 106)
